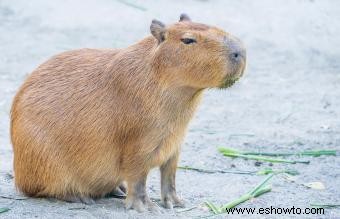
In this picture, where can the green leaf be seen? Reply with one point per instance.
(3, 210)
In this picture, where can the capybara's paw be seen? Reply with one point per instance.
(135, 204)
(87, 200)
(172, 200)
(141, 205)
(153, 207)
(78, 199)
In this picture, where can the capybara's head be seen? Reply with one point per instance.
(197, 55)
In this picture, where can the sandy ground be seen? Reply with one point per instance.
(289, 98)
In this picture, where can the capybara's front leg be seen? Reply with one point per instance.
(168, 184)
(137, 197)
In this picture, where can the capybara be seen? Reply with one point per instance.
(88, 121)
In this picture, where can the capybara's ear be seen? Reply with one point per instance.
(184, 17)
(157, 29)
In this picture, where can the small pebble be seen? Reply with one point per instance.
(258, 163)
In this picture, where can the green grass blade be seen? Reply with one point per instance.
(263, 190)
(3, 210)
(186, 209)
(318, 153)
(273, 160)
(213, 207)
(216, 171)
(325, 205)
(257, 191)
(237, 172)
(260, 189)
(229, 150)
(264, 171)
(267, 171)
(236, 202)
(196, 169)
(260, 158)
(261, 185)
(314, 153)
(291, 172)
(269, 154)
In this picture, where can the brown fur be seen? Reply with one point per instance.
(87, 120)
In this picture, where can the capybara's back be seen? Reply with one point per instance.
(87, 122)
(60, 118)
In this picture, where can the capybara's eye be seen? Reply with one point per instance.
(188, 40)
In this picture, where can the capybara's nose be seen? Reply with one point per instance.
(236, 50)
(237, 53)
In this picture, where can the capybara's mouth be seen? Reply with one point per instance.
(228, 82)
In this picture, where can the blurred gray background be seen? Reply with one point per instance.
(289, 98)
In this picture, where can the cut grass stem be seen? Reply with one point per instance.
(3, 210)
(260, 189)
(216, 171)
(264, 171)
(313, 153)
(325, 205)
(235, 153)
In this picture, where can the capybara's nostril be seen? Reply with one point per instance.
(236, 50)
(238, 55)
(235, 55)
